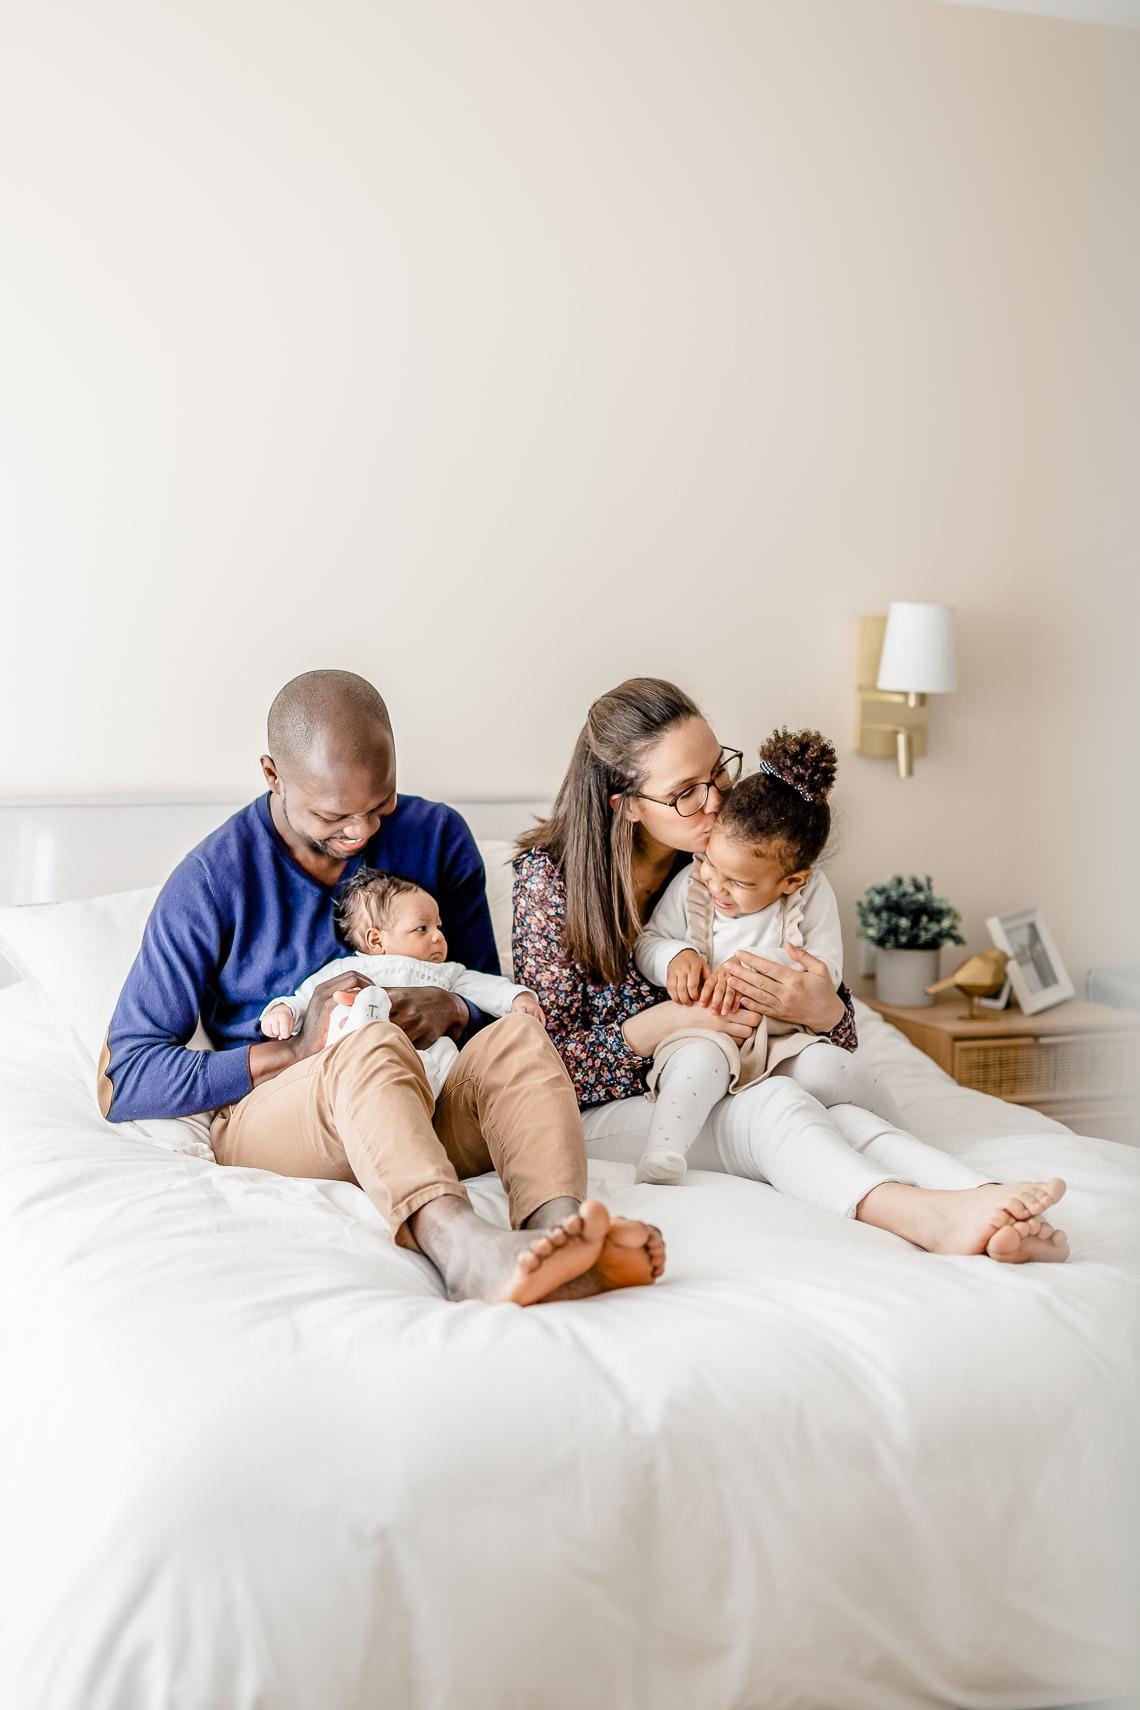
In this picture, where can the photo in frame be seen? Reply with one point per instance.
(1035, 968)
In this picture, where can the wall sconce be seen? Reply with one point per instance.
(903, 657)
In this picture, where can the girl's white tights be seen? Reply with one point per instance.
(835, 1076)
(695, 1078)
(691, 1082)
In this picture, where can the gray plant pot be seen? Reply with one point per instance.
(900, 976)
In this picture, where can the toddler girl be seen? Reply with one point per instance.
(393, 928)
(755, 888)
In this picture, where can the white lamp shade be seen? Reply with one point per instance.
(918, 649)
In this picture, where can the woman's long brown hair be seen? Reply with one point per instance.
(591, 842)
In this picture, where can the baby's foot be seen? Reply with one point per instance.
(664, 1168)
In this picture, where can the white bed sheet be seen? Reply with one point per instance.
(250, 1458)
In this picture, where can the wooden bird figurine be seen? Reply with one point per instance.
(982, 975)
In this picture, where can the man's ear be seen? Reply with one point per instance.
(270, 771)
(795, 881)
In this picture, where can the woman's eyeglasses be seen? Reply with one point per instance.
(693, 800)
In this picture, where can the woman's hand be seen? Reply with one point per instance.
(644, 1032)
(738, 1025)
(717, 995)
(803, 995)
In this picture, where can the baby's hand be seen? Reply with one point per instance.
(686, 972)
(717, 995)
(277, 1022)
(524, 1004)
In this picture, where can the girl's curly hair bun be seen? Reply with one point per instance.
(803, 759)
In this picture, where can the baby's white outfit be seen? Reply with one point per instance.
(694, 1067)
(489, 992)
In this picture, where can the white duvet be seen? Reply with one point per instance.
(250, 1458)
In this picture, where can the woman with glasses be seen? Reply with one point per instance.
(640, 798)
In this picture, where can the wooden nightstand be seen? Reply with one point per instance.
(1078, 1063)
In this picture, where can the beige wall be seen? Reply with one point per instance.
(502, 351)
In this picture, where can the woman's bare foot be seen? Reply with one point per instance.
(1001, 1219)
(1018, 1243)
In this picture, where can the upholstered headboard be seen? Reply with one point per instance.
(51, 851)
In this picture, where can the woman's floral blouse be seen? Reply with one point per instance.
(583, 1018)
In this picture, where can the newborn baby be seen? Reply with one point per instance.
(393, 928)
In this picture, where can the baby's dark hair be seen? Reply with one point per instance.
(364, 901)
(785, 803)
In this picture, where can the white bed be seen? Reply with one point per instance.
(251, 1460)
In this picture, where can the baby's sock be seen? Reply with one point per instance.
(691, 1081)
(371, 1004)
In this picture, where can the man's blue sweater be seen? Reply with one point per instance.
(239, 922)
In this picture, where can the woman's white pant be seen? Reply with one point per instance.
(776, 1132)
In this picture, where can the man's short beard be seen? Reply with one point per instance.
(320, 848)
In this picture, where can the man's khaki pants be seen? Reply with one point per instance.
(362, 1111)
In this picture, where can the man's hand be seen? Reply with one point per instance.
(270, 1056)
(685, 975)
(526, 1004)
(342, 988)
(425, 1013)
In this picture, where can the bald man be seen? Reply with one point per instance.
(249, 912)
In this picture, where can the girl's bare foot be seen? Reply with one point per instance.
(1001, 1219)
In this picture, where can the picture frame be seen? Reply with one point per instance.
(1036, 971)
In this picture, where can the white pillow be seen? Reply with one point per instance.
(497, 857)
(77, 954)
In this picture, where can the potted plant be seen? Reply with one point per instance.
(908, 925)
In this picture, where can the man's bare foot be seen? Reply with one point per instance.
(580, 1254)
(633, 1253)
(632, 1256)
(479, 1261)
(1001, 1219)
(557, 1256)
